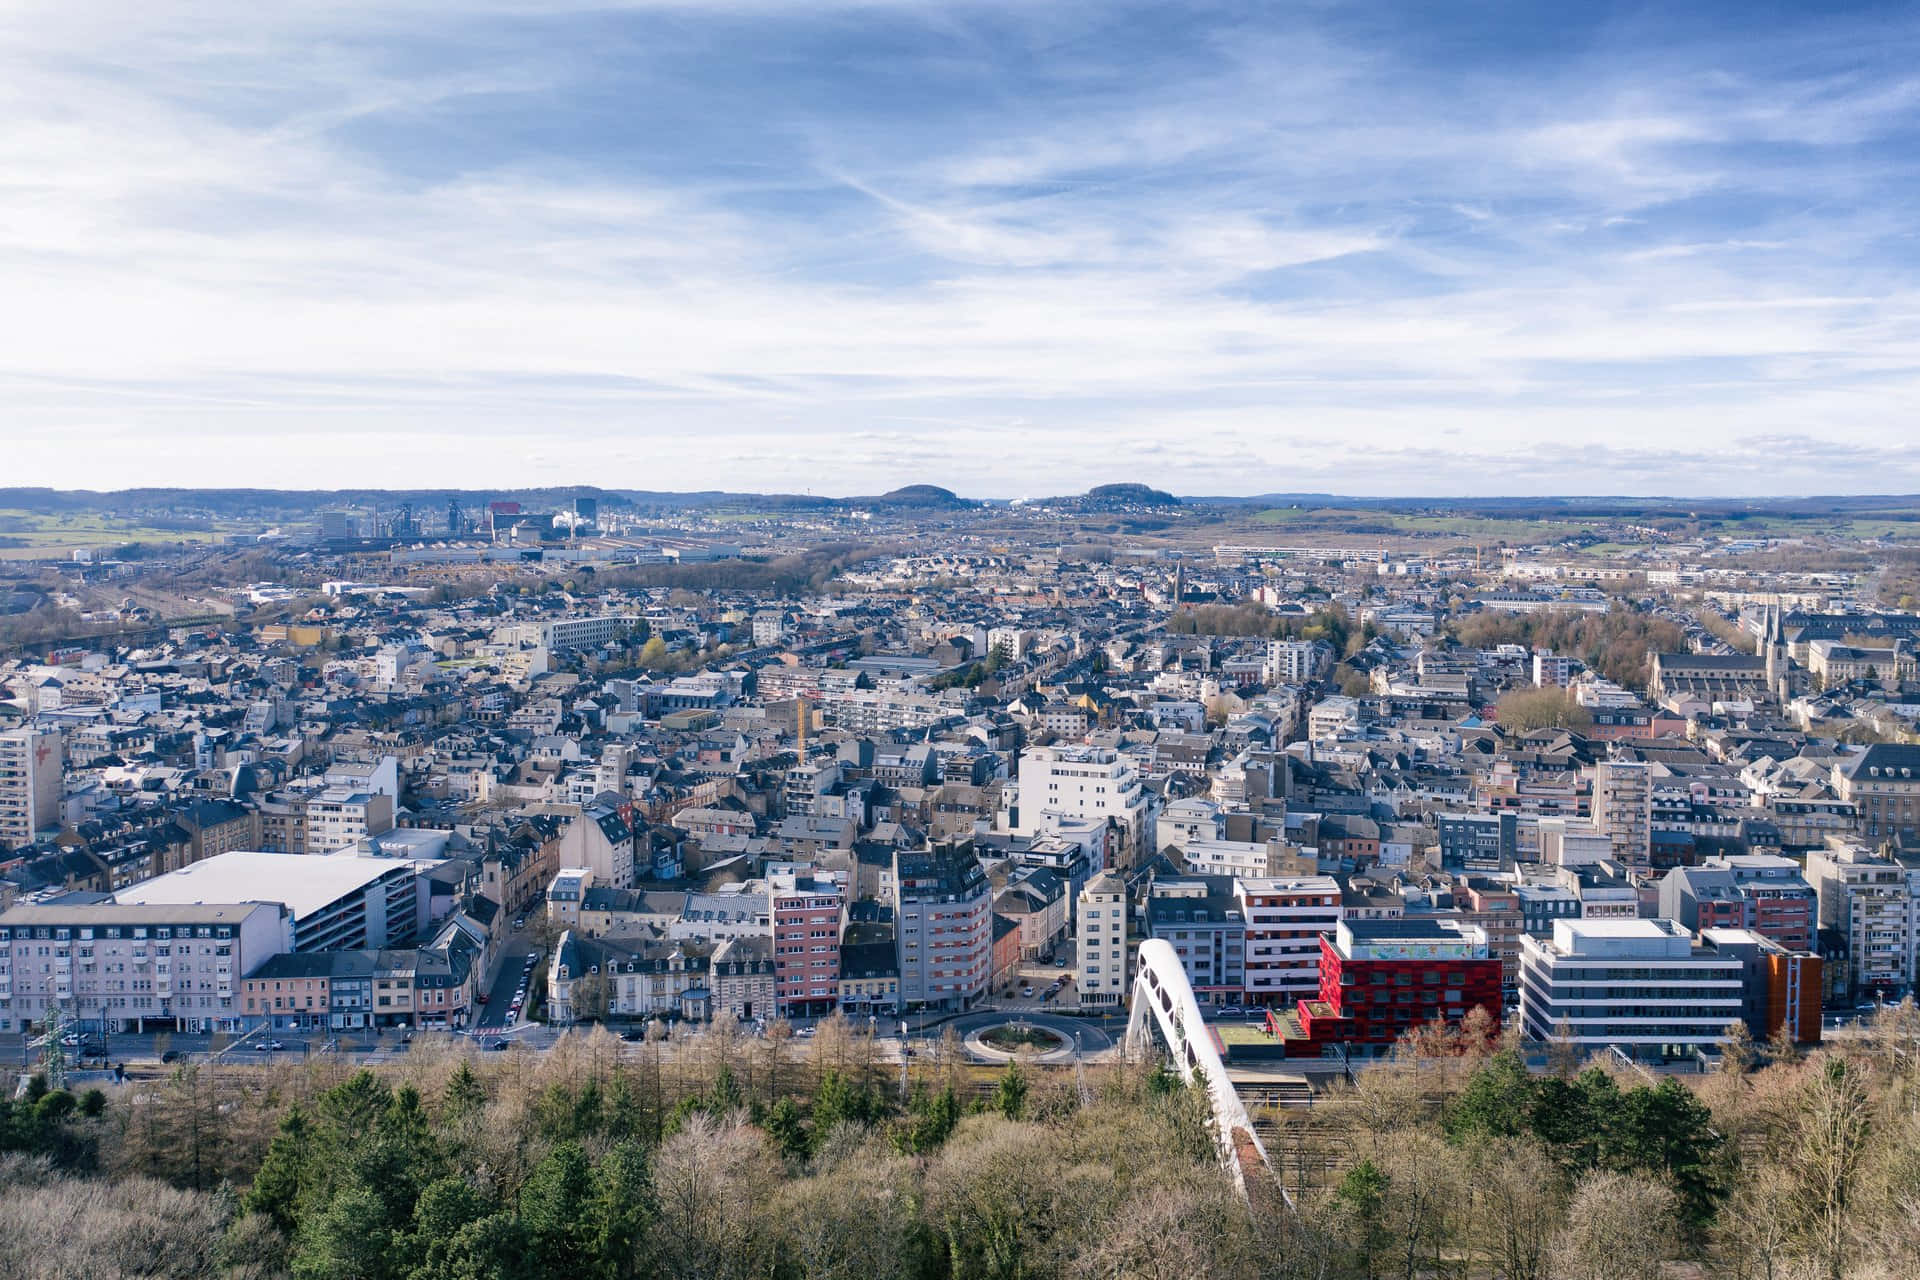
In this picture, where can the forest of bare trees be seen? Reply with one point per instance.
(732, 1156)
(1619, 643)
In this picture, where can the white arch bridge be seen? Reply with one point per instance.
(1162, 997)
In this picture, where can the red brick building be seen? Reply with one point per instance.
(1381, 978)
(809, 908)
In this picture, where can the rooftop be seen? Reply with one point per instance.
(304, 883)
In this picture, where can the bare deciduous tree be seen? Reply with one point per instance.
(714, 1184)
(1619, 1227)
(1521, 1201)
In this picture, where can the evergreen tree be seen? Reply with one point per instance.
(493, 1248)
(446, 1206)
(403, 1157)
(464, 1094)
(348, 1240)
(438, 1215)
(1572, 1116)
(621, 1211)
(1497, 1102)
(275, 1192)
(553, 1209)
(1667, 1131)
(725, 1097)
(1362, 1198)
(788, 1133)
(931, 1121)
(1010, 1096)
(838, 1102)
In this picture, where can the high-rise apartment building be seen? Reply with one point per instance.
(809, 907)
(944, 912)
(31, 764)
(1101, 944)
(1867, 918)
(1623, 808)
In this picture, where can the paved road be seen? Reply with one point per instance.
(493, 1014)
(145, 1050)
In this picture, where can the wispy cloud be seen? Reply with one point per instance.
(767, 245)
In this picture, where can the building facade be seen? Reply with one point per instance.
(1285, 918)
(1103, 950)
(1383, 978)
(113, 967)
(808, 909)
(31, 766)
(1641, 986)
(943, 910)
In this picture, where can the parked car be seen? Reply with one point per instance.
(496, 1045)
(1026, 992)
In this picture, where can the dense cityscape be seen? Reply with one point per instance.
(1441, 889)
(959, 640)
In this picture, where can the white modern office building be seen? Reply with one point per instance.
(1643, 986)
(1083, 782)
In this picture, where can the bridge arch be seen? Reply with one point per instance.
(1163, 999)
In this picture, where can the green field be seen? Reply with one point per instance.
(1902, 526)
(31, 535)
(1391, 524)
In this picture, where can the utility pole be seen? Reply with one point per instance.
(53, 1061)
(1080, 1072)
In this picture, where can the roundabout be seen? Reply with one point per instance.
(1017, 1039)
(1031, 1037)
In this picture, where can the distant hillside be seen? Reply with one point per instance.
(1550, 507)
(1128, 495)
(289, 503)
(927, 496)
(1115, 497)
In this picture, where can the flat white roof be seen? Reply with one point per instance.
(305, 883)
(1641, 928)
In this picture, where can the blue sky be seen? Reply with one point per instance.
(1012, 248)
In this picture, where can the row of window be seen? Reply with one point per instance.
(87, 933)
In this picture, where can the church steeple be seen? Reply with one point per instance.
(1779, 665)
